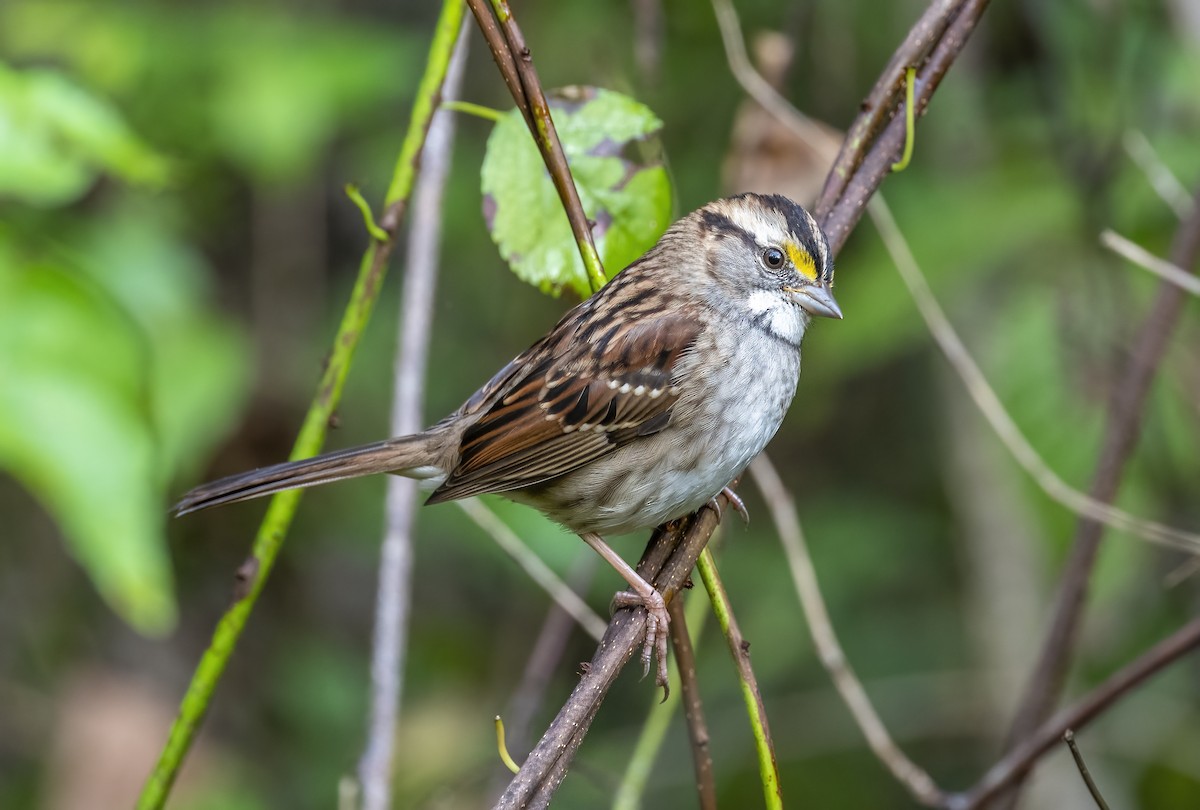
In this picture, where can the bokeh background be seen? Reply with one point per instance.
(175, 251)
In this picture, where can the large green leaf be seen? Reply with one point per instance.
(56, 138)
(609, 140)
(114, 378)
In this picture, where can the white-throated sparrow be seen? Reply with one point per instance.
(639, 406)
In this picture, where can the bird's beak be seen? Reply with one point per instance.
(818, 301)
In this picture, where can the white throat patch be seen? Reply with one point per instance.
(783, 319)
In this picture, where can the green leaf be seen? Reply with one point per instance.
(56, 139)
(114, 378)
(71, 431)
(611, 144)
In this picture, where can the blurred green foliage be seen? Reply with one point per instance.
(115, 376)
(173, 236)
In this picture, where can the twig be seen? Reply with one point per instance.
(993, 410)
(739, 648)
(844, 198)
(513, 58)
(1136, 254)
(760, 89)
(685, 689)
(693, 706)
(787, 523)
(273, 530)
(532, 564)
(910, 135)
(412, 351)
(1069, 738)
(1121, 434)
(1164, 183)
(670, 556)
(502, 748)
(932, 44)
(1018, 762)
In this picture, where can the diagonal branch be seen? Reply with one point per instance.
(515, 61)
(804, 575)
(942, 32)
(1121, 435)
(1020, 760)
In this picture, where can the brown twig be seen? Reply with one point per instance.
(1020, 760)
(670, 556)
(515, 61)
(1121, 435)
(693, 708)
(500, 53)
(839, 212)
(1069, 738)
(884, 96)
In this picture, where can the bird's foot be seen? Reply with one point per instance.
(654, 644)
(734, 502)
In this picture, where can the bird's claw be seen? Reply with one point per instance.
(654, 644)
(735, 503)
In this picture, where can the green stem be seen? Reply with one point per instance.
(477, 110)
(629, 792)
(252, 575)
(910, 121)
(429, 95)
(768, 772)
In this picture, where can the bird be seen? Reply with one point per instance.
(638, 407)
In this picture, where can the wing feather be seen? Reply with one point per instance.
(567, 403)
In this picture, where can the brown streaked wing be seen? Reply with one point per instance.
(572, 404)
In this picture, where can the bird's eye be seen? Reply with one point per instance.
(773, 258)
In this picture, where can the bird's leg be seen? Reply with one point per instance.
(734, 501)
(642, 595)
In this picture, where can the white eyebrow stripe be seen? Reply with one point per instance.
(818, 237)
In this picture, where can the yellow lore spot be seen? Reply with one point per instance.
(803, 262)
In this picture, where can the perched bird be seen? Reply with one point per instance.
(638, 407)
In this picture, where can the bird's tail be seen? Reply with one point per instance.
(413, 456)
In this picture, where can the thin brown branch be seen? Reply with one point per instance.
(500, 53)
(942, 32)
(1020, 760)
(670, 556)
(1069, 738)
(693, 708)
(1121, 435)
(787, 523)
(884, 96)
(512, 55)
